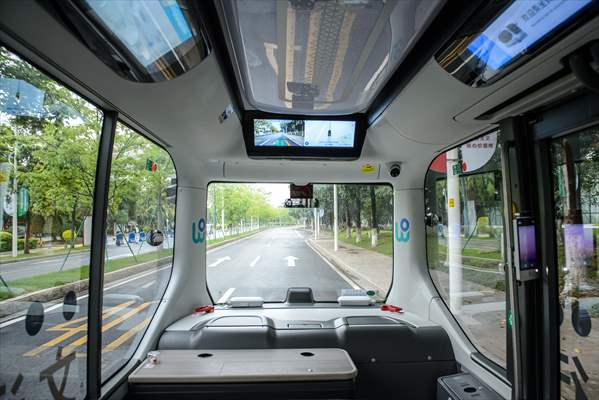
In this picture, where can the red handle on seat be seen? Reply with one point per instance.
(390, 307)
(204, 309)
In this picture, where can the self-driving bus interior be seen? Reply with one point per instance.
(299, 199)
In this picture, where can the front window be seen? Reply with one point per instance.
(257, 247)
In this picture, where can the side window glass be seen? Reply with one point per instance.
(139, 245)
(575, 165)
(465, 239)
(48, 148)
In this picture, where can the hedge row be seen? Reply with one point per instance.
(6, 242)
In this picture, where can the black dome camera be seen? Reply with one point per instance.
(394, 169)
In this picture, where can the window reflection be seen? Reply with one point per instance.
(48, 148)
(575, 162)
(465, 237)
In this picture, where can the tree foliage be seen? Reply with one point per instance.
(57, 148)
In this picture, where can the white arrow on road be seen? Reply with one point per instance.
(220, 260)
(291, 260)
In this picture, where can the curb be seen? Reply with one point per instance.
(20, 303)
(214, 246)
(357, 276)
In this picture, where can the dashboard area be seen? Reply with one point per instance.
(394, 353)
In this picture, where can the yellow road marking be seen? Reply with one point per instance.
(72, 331)
(126, 336)
(106, 314)
(72, 346)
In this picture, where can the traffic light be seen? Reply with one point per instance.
(171, 190)
(151, 165)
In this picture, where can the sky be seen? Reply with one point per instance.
(279, 192)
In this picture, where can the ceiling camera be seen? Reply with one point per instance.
(394, 169)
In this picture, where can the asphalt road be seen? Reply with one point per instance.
(42, 265)
(127, 306)
(269, 263)
(280, 139)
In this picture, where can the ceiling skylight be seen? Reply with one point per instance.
(321, 57)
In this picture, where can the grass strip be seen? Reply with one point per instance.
(52, 279)
(384, 245)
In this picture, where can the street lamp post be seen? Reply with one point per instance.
(15, 210)
(335, 219)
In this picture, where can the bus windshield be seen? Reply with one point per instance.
(257, 247)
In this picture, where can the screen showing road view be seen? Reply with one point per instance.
(303, 133)
(256, 247)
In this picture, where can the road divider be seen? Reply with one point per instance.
(237, 238)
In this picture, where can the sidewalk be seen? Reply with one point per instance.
(369, 269)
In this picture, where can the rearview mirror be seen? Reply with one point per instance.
(432, 219)
(155, 238)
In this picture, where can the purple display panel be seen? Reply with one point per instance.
(527, 246)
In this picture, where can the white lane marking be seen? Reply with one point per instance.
(291, 260)
(253, 263)
(268, 244)
(58, 305)
(225, 297)
(147, 285)
(341, 274)
(219, 261)
(298, 234)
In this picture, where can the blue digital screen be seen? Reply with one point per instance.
(519, 27)
(304, 133)
(148, 28)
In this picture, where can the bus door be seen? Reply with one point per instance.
(551, 188)
(567, 142)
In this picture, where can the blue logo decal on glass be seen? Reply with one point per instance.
(402, 230)
(198, 232)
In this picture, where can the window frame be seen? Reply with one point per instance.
(328, 302)
(93, 380)
(478, 357)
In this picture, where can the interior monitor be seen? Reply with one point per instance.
(276, 136)
(519, 27)
(516, 31)
(525, 246)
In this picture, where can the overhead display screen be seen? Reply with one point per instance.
(304, 133)
(519, 27)
(481, 53)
